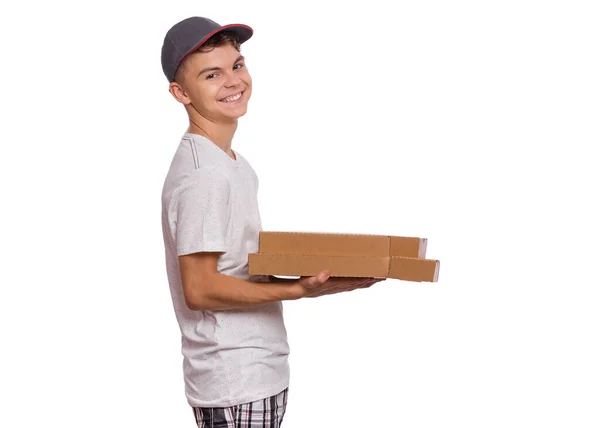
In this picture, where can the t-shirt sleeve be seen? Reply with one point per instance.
(202, 213)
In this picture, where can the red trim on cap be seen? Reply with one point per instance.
(212, 33)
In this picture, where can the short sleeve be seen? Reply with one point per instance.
(202, 213)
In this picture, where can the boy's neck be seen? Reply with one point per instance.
(220, 134)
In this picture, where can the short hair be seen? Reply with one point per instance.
(220, 39)
(216, 40)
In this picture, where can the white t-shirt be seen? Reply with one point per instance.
(209, 203)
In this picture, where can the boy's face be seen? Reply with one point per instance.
(216, 83)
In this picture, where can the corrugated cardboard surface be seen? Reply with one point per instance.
(323, 243)
(408, 247)
(311, 265)
(410, 269)
(349, 255)
(341, 244)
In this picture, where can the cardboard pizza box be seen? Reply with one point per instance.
(341, 244)
(350, 255)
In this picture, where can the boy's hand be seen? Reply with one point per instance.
(323, 284)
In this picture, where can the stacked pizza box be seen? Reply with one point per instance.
(347, 255)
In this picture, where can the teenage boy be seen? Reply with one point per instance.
(234, 341)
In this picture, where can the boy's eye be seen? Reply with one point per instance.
(238, 66)
(210, 76)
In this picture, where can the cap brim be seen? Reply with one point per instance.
(243, 32)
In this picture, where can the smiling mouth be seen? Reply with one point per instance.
(232, 98)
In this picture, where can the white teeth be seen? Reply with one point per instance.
(232, 98)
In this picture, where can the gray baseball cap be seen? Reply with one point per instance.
(188, 35)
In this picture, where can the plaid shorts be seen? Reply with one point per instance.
(265, 413)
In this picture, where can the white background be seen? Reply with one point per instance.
(471, 123)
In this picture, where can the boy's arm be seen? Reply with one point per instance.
(205, 288)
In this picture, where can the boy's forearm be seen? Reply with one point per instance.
(222, 292)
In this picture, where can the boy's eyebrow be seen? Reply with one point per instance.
(207, 69)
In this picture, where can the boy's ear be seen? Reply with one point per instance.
(178, 93)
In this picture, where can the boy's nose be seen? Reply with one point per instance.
(232, 80)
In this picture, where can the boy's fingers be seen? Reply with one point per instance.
(320, 279)
(311, 282)
(316, 281)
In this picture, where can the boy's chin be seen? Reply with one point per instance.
(235, 115)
